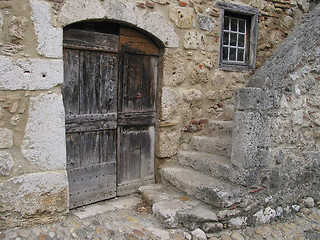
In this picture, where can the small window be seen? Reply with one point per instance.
(238, 34)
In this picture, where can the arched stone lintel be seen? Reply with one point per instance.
(118, 10)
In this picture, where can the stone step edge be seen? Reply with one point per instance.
(211, 164)
(208, 189)
(175, 208)
(213, 145)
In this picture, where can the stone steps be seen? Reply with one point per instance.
(218, 128)
(214, 165)
(203, 187)
(175, 208)
(214, 145)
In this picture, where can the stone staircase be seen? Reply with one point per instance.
(200, 190)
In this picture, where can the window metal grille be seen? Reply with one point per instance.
(234, 40)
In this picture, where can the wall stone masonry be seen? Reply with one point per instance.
(283, 93)
(33, 182)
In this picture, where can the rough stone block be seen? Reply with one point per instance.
(30, 75)
(206, 23)
(264, 216)
(182, 17)
(254, 99)
(167, 211)
(169, 100)
(6, 163)
(168, 142)
(212, 227)
(49, 38)
(122, 10)
(191, 95)
(173, 69)
(250, 140)
(6, 138)
(156, 24)
(77, 10)
(237, 223)
(44, 141)
(194, 41)
(40, 197)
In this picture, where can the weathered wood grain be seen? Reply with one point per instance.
(80, 39)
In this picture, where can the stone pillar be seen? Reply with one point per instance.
(251, 133)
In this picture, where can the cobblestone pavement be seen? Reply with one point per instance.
(130, 218)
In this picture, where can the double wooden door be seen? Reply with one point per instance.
(109, 96)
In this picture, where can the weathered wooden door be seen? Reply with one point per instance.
(109, 96)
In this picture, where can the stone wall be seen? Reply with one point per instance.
(276, 134)
(33, 183)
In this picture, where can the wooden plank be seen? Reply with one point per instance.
(71, 86)
(131, 82)
(73, 150)
(136, 118)
(89, 82)
(237, 8)
(108, 82)
(136, 158)
(147, 152)
(91, 117)
(80, 39)
(89, 148)
(91, 184)
(91, 126)
(108, 141)
(132, 41)
(149, 82)
(132, 186)
(91, 122)
(138, 46)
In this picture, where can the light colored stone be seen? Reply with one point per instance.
(49, 38)
(1, 21)
(159, 233)
(237, 223)
(187, 235)
(297, 117)
(308, 202)
(156, 24)
(14, 107)
(194, 41)
(44, 141)
(199, 234)
(296, 208)
(32, 74)
(303, 5)
(17, 27)
(78, 10)
(6, 138)
(306, 211)
(211, 227)
(191, 95)
(169, 102)
(182, 17)
(34, 194)
(173, 69)
(126, 202)
(203, 213)
(6, 163)
(122, 11)
(167, 211)
(206, 23)
(236, 236)
(168, 141)
(264, 216)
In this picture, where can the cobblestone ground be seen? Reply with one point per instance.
(132, 219)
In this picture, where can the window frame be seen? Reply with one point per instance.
(251, 16)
